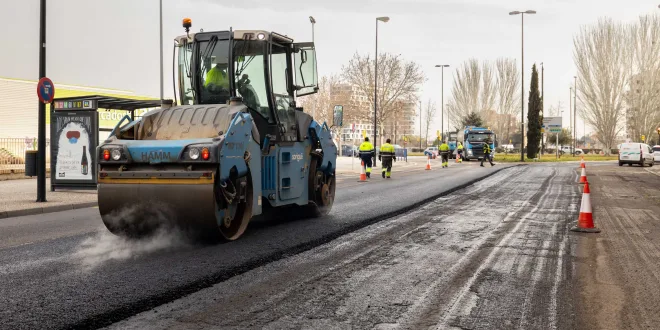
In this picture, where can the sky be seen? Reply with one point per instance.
(114, 43)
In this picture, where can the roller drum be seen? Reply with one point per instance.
(139, 209)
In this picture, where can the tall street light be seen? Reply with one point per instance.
(420, 124)
(313, 21)
(574, 115)
(442, 99)
(160, 9)
(542, 108)
(383, 19)
(522, 85)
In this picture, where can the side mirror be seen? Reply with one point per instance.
(338, 116)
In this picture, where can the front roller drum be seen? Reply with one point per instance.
(136, 210)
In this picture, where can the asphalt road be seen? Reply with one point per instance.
(619, 272)
(64, 269)
(494, 255)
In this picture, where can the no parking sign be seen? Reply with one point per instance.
(45, 90)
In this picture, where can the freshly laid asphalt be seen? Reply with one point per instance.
(63, 270)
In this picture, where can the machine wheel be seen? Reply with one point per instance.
(321, 189)
(237, 214)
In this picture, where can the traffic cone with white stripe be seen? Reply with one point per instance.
(428, 163)
(456, 160)
(583, 176)
(363, 173)
(585, 220)
(582, 162)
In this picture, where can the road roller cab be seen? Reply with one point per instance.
(236, 145)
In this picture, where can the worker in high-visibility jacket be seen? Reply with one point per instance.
(367, 154)
(444, 152)
(459, 151)
(386, 157)
(487, 153)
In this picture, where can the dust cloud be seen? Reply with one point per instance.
(105, 246)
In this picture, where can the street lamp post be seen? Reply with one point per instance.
(160, 9)
(442, 99)
(420, 124)
(313, 21)
(522, 84)
(570, 110)
(574, 115)
(542, 107)
(383, 19)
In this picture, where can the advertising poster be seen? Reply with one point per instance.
(74, 146)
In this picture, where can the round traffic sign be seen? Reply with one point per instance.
(45, 90)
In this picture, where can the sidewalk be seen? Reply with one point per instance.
(19, 198)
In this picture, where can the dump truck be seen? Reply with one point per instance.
(234, 144)
(473, 142)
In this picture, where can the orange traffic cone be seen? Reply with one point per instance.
(585, 220)
(456, 160)
(583, 176)
(582, 162)
(428, 163)
(363, 174)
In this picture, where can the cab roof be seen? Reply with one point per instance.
(242, 34)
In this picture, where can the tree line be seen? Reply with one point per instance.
(618, 86)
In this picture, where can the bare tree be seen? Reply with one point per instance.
(508, 98)
(643, 96)
(429, 113)
(555, 110)
(473, 90)
(397, 80)
(600, 55)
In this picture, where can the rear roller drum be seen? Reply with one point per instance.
(321, 190)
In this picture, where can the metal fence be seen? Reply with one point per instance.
(12, 153)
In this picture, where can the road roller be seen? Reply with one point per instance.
(231, 146)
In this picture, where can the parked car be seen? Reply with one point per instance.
(433, 151)
(635, 153)
(656, 153)
(346, 151)
(569, 150)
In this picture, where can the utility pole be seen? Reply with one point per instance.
(41, 142)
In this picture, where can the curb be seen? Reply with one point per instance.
(45, 209)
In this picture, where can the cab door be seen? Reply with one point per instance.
(305, 67)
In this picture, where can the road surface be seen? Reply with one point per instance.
(65, 270)
(490, 256)
(461, 248)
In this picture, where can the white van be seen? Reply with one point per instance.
(635, 153)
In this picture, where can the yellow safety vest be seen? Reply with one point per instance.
(366, 148)
(217, 77)
(387, 150)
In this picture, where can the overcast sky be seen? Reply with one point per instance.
(114, 44)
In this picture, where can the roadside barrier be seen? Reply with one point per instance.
(363, 173)
(585, 220)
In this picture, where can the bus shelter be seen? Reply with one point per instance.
(74, 136)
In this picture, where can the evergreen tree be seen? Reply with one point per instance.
(533, 116)
(472, 119)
